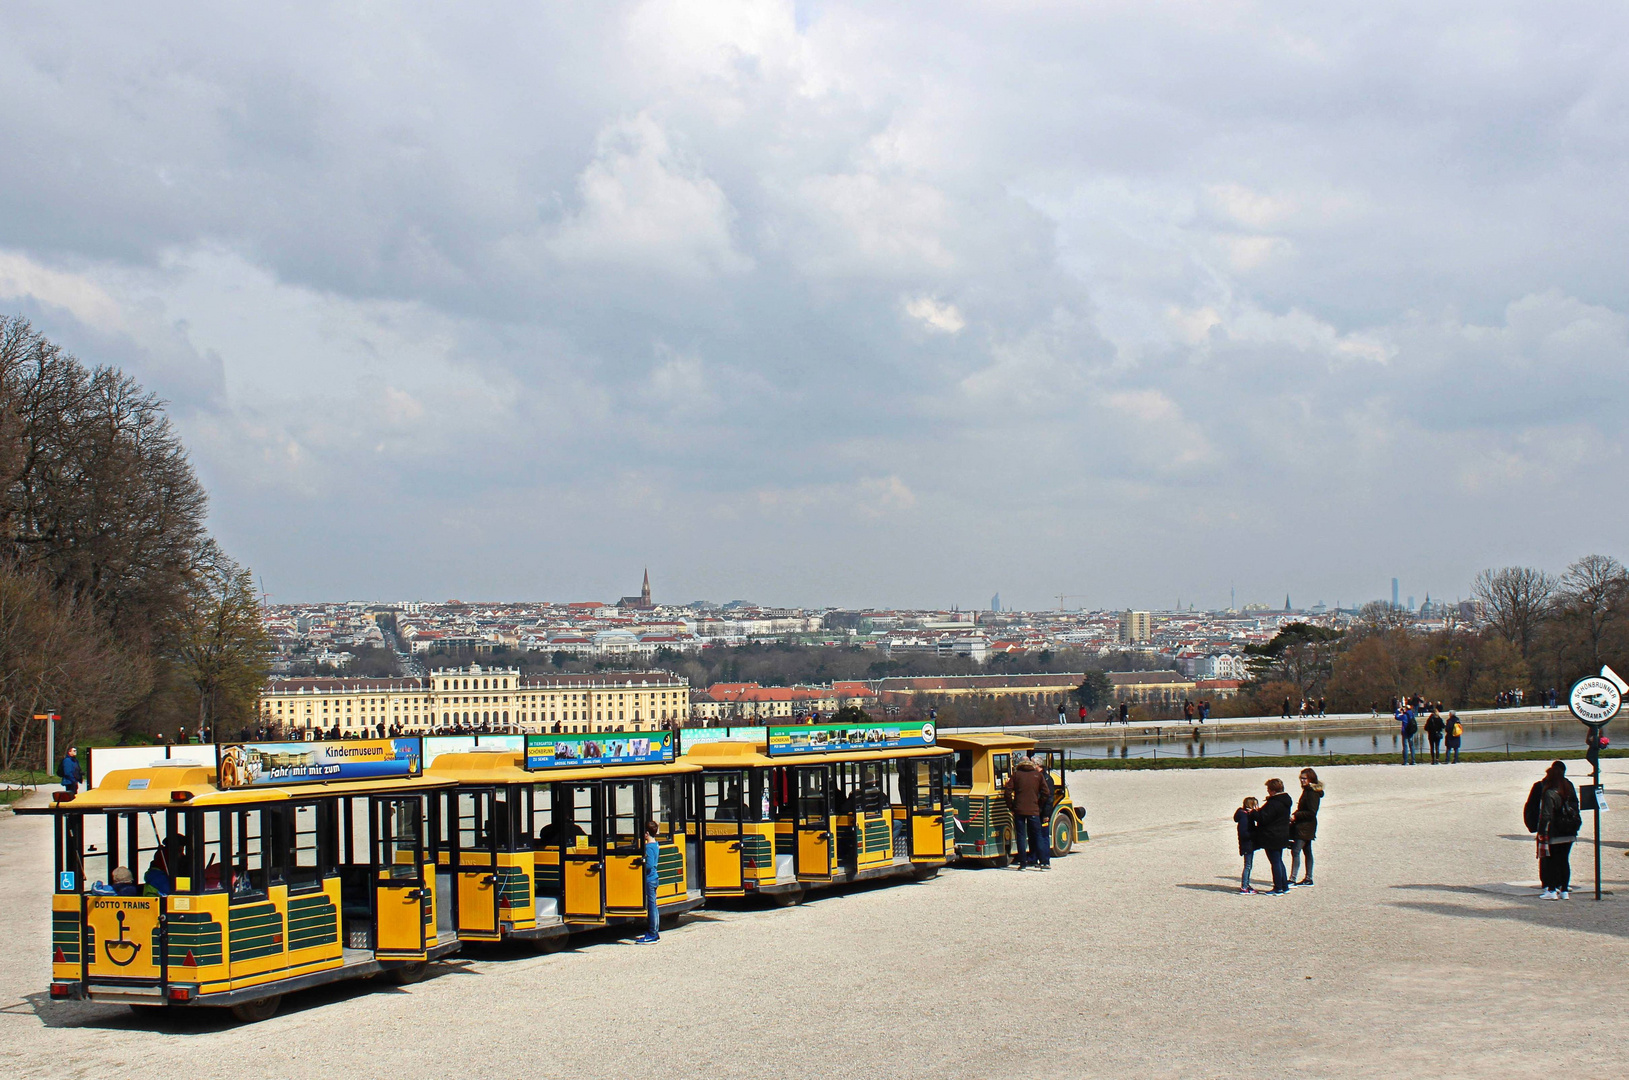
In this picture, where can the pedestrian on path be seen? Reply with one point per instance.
(1304, 826)
(69, 771)
(1272, 830)
(1028, 794)
(1434, 727)
(652, 860)
(1553, 813)
(1456, 734)
(1244, 822)
(1407, 728)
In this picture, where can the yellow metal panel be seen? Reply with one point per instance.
(723, 863)
(624, 883)
(122, 936)
(582, 890)
(814, 853)
(477, 902)
(400, 926)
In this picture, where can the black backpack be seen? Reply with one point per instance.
(1530, 812)
(1571, 818)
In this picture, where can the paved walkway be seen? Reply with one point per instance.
(1419, 953)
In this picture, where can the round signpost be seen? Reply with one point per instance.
(1595, 700)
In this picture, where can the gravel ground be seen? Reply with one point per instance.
(1133, 958)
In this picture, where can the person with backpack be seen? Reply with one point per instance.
(1455, 734)
(1434, 727)
(1552, 811)
(1408, 728)
(1029, 794)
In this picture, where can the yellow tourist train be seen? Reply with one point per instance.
(545, 840)
(264, 868)
(818, 805)
(285, 866)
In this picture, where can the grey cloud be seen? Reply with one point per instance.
(840, 302)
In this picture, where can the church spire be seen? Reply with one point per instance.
(644, 592)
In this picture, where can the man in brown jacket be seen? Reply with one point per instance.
(1026, 790)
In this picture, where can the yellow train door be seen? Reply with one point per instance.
(722, 807)
(813, 824)
(578, 814)
(625, 818)
(401, 896)
(926, 795)
(475, 856)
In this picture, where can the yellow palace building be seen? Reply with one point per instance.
(481, 698)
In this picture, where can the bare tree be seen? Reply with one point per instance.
(221, 645)
(1590, 604)
(1516, 600)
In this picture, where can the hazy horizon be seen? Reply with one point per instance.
(824, 303)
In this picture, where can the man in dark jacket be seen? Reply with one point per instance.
(1026, 792)
(70, 773)
(1272, 832)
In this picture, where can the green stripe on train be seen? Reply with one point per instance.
(256, 932)
(313, 921)
(65, 936)
(194, 933)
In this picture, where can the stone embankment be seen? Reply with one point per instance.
(1345, 723)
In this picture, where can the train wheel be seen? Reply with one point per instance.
(790, 898)
(1063, 832)
(926, 873)
(553, 943)
(1002, 861)
(408, 974)
(253, 1012)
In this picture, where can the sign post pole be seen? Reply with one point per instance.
(1595, 701)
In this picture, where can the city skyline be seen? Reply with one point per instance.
(838, 304)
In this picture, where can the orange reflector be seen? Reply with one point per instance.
(190, 961)
(57, 957)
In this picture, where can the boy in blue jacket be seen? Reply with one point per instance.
(1244, 818)
(653, 856)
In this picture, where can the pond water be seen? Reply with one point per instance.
(1563, 735)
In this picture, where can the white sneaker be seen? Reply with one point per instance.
(1566, 894)
(1549, 894)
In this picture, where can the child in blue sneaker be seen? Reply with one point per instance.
(1245, 818)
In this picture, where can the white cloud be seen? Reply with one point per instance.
(946, 318)
(643, 208)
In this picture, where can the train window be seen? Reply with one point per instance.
(813, 807)
(99, 837)
(1000, 766)
(756, 806)
(622, 815)
(964, 768)
(664, 807)
(721, 796)
(871, 797)
(311, 852)
(401, 823)
(247, 861)
(544, 830)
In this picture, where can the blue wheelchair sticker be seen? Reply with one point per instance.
(65, 881)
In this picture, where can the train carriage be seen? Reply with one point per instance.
(546, 840)
(286, 866)
(815, 805)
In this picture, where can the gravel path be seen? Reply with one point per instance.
(1133, 958)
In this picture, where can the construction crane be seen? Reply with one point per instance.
(1069, 596)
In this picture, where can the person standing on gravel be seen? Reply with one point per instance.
(1407, 729)
(1553, 813)
(1244, 821)
(1434, 727)
(1455, 735)
(1025, 793)
(1272, 832)
(652, 860)
(1304, 826)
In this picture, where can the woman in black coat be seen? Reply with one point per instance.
(1552, 811)
(1272, 832)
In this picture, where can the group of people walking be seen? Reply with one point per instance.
(1276, 824)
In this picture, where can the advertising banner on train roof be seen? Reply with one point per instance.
(698, 735)
(832, 738)
(275, 764)
(604, 748)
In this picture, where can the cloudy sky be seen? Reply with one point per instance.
(853, 304)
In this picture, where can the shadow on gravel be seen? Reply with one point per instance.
(202, 1020)
(1534, 912)
(1204, 887)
